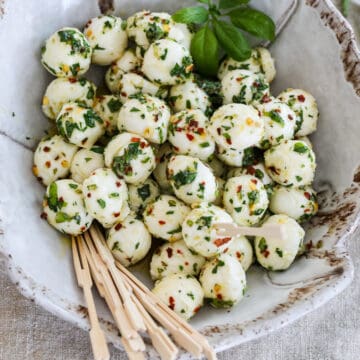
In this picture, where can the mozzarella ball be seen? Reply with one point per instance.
(219, 169)
(241, 249)
(64, 207)
(181, 34)
(147, 116)
(143, 194)
(132, 84)
(79, 124)
(106, 197)
(167, 63)
(160, 173)
(189, 136)
(108, 107)
(63, 90)
(223, 281)
(175, 258)
(66, 53)
(230, 156)
(129, 241)
(305, 107)
(165, 216)
(236, 127)
(108, 38)
(85, 162)
(191, 180)
(298, 203)
(181, 293)
(244, 87)
(291, 162)
(258, 170)
(198, 232)
(189, 96)
(245, 199)
(52, 159)
(278, 254)
(279, 123)
(131, 157)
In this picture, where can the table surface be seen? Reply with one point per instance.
(330, 333)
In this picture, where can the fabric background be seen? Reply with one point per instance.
(27, 332)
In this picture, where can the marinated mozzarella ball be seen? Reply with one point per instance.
(143, 194)
(298, 203)
(106, 197)
(85, 162)
(223, 281)
(305, 107)
(64, 207)
(181, 34)
(241, 249)
(132, 84)
(129, 241)
(66, 53)
(219, 169)
(63, 90)
(166, 62)
(163, 156)
(108, 38)
(267, 64)
(236, 127)
(175, 258)
(79, 124)
(291, 162)
(108, 107)
(181, 293)
(244, 87)
(147, 116)
(279, 123)
(131, 157)
(191, 180)
(278, 254)
(52, 159)
(189, 96)
(245, 199)
(198, 232)
(165, 216)
(189, 136)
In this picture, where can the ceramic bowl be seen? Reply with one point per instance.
(315, 51)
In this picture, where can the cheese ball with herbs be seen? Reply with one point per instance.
(85, 162)
(79, 124)
(64, 208)
(143, 194)
(199, 234)
(291, 162)
(107, 37)
(188, 134)
(106, 197)
(164, 217)
(223, 281)
(241, 249)
(244, 87)
(297, 202)
(66, 53)
(147, 116)
(52, 159)
(163, 156)
(192, 181)
(305, 107)
(278, 254)
(108, 108)
(129, 241)
(166, 62)
(245, 199)
(63, 90)
(131, 157)
(181, 293)
(175, 258)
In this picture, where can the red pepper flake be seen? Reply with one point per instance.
(68, 108)
(226, 250)
(274, 170)
(290, 117)
(143, 144)
(254, 181)
(48, 164)
(238, 254)
(118, 227)
(118, 183)
(228, 140)
(306, 210)
(72, 80)
(238, 189)
(239, 78)
(123, 93)
(135, 139)
(266, 99)
(169, 252)
(197, 309)
(250, 170)
(193, 123)
(218, 130)
(266, 253)
(46, 149)
(171, 303)
(156, 117)
(162, 222)
(219, 296)
(179, 252)
(176, 148)
(186, 263)
(88, 195)
(61, 199)
(222, 241)
(117, 214)
(201, 131)
(190, 137)
(43, 215)
(83, 228)
(307, 195)
(301, 98)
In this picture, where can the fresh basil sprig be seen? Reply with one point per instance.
(213, 33)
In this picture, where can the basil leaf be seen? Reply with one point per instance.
(228, 4)
(191, 15)
(205, 51)
(254, 22)
(231, 39)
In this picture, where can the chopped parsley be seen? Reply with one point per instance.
(144, 192)
(101, 203)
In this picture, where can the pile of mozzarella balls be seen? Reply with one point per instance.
(154, 158)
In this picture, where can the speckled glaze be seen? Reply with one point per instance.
(315, 51)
